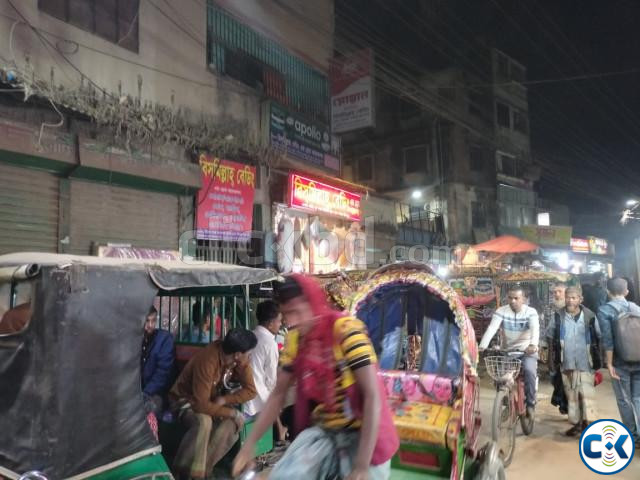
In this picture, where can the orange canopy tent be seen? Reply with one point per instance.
(506, 244)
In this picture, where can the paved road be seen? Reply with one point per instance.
(547, 454)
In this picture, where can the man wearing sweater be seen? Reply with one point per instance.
(521, 332)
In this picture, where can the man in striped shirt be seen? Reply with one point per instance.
(344, 421)
(521, 332)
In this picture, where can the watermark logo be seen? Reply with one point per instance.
(606, 447)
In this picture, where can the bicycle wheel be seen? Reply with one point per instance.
(503, 427)
(527, 422)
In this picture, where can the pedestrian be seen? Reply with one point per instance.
(264, 358)
(341, 408)
(158, 359)
(622, 348)
(521, 328)
(558, 293)
(575, 352)
(203, 402)
(595, 293)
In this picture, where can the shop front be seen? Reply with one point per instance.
(591, 255)
(317, 228)
(67, 193)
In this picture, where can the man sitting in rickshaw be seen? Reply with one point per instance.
(158, 361)
(341, 408)
(208, 407)
(521, 327)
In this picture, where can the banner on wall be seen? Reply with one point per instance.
(555, 236)
(352, 102)
(224, 209)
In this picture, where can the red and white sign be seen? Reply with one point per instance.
(318, 197)
(580, 245)
(225, 201)
(352, 105)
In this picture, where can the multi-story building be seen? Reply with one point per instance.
(107, 109)
(455, 157)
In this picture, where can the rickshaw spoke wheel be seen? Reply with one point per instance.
(503, 426)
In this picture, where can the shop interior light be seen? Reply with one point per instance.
(416, 194)
(443, 271)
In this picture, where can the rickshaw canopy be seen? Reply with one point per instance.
(408, 273)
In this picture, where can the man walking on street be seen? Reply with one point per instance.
(341, 409)
(574, 338)
(622, 349)
(521, 327)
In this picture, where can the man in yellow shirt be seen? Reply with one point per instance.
(332, 360)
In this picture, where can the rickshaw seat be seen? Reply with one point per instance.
(405, 386)
(423, 406)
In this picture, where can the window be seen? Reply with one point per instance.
(476, 159)
(544, 219)
(478, 217)
(415, 159)
(365, 168)
(520, 122)
(242, 53)
(507, 165)
(113, 20)
(15, 306)
(502, 115)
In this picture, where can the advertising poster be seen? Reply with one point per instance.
(352, 102)
(301, 139)
(224, 209)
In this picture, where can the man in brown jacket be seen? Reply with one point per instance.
(208, 406)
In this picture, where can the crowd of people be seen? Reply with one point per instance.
(341, 422)
(585, 334)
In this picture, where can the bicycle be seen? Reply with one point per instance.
(509, 405)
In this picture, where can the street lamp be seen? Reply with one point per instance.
(416, 194)
(632, 203)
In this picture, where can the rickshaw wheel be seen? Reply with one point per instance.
(503, 427)
(526, 423)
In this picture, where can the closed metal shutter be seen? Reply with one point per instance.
(102, 214)
(28, 210)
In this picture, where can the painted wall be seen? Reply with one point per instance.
(171, 61)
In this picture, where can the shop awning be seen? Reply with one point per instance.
(506, 244)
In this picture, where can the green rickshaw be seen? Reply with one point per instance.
(71, 404)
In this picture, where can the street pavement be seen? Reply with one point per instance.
(547, 454)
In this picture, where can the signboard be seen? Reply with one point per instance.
(598, 246)
(318, 197)
(549, 236)
(580, 245)
(301, 139)
(225, 201)
(352, 105)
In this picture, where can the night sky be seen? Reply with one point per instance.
(584, 132)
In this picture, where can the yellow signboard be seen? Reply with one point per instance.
(552, 236)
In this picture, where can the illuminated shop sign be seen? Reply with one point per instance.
(580, 245)
(318, 197)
